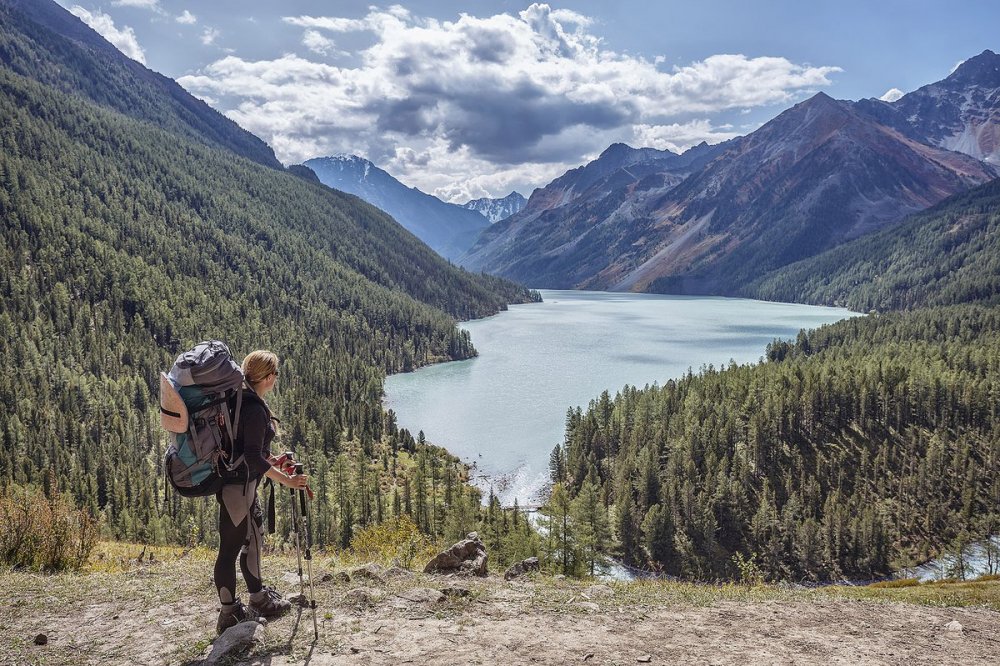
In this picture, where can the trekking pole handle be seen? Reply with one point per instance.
(295, 470)
(285, 462)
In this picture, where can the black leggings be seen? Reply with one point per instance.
(243, 540)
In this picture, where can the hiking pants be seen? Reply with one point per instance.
(241, 534)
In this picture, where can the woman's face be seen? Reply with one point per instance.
(267, 384)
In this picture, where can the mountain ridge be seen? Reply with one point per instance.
(960, 112)
(449, 229)
(820, 173)
(55, 47)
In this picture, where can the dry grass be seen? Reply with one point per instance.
(983, 592)
(170, 599)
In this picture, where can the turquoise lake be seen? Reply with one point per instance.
(505, 410)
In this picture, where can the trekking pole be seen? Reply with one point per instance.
(305, 517)
(296, 527)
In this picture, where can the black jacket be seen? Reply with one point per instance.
(254, 433)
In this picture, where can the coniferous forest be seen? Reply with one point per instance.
(137, 222)
(863, 446)
(134, 229)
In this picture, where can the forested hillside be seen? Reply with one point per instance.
(125, 241)
(947, 254)
(41, 40)
(864, 445)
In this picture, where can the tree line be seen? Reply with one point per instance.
(861, 447)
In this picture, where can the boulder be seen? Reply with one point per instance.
(234, 641)
(521, 568)
(467, 556)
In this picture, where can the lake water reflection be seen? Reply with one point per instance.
(505, 410)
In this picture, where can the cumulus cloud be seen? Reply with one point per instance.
(501, 92)
(208, 36)
(187, 18)
(678, 137)
(317, 43)
(891, 95)
(123, 39)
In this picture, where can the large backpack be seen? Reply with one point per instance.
(194, 409)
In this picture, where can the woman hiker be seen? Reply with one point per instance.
(241, 521)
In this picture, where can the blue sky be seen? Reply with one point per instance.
(478, 98)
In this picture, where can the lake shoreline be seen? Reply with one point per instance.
(537, 360)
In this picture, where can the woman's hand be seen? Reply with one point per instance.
(297, 481)
(293, 481)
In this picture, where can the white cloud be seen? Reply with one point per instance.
(499, 95)
(678, 137)
(891, 95)
(153, 5)
(209, 35)
(187, 18)
(124, 39)
(317, 43)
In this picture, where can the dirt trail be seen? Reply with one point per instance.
(149, 617)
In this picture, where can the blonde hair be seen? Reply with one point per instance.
(258, 365)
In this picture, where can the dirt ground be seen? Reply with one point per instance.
(150, 615)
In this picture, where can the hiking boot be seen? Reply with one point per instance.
(238, 613)
(270, 604)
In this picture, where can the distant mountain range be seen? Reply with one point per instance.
(709, 221)
(549, 242)
(449, 229)
(495, 210)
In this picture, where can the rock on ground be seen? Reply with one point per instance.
(233, 641)
(362, 596)
(466, 556)
(521, 568)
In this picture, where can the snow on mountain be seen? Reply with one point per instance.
(495, 210)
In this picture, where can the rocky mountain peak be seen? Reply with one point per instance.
(981, 70)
